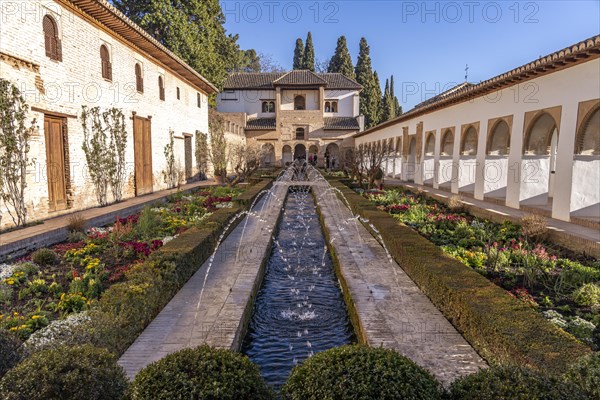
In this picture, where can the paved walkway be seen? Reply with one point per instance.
(392, 310)
(577, 232)
(54, 230)
(213, 309)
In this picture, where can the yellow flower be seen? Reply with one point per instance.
(35, 317)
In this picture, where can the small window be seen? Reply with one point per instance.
(299, 103)
(334, 106)
(199, 100)
(268, 106)
(161, 88)
(139, 79)
(327, 106)
(178, 94)
(51, 40)
(106, 64)
(300, 134)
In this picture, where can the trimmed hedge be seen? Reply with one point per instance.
(200, 373)
(514, 383)
(126, 308)
(358, 372)
(11, 351)
(66, 373)
(586, 373)
(502, 329)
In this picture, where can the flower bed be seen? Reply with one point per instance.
(544, 277)
(51, 284)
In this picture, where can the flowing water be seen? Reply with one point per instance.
(299, 309)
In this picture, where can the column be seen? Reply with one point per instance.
(563, 178)
(480, 161)
(513, 186)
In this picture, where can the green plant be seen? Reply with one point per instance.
(202, 154)
(79, 372)
(514, 383)
(6, 294)
(148, 224)
(360, 372)
(76, 237)
(455, 204)
(44, 257)
(585, 372)
(28, 268)
(218, 144)
(378, 174)
(114, 121)
(534, 227)
(588, 295)
(11, 351)
(170, 173)
(200, 373)
(76, 223)
(14, 142)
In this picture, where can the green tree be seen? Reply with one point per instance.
(341, 61)
(376, 101)
(192, 29)
(397, 106)
(370, 96)
(299, 54)
(387, 111)
(308, 61)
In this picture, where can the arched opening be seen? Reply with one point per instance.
(51, 40)
(327, 106)
(332, 156)
(106, 64)
(411, 161)
(300, 134)
(447, 146)
(268, 155)
(161, 88)
(313, 154)
(585, 197)
(430, 145)
(300, 152)
(286, 155)
(539, 162)
(139, 79)
(469, 142)
(299, 102)
(496, 161)
(268, 107)
(588, 137)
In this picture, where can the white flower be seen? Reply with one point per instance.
(58, 332)
(6, 270)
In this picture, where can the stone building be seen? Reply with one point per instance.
(65, 54)
(298, 114)
(528, 138)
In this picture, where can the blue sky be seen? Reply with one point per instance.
(425, 45)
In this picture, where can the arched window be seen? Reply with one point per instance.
(299, 103)
(498, 143)
(161, 88)
(448, 143)
(268, 107)
(139, 79)
(334, 106)
(539, 137)
(430, 145)
(469, 142)
(299, 133)
(327, 106)
(588, 139)
(51, 40)
(106, 64)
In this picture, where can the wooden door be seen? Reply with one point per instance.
(188, 156)
(55, 163)
(142, 148)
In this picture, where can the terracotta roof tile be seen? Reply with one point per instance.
(341, 123)
(261, 123)
(268, 80)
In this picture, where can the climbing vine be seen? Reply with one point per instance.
(218, 145)
(170, 174)
(14, 150)
(104, 143)
(202, 154)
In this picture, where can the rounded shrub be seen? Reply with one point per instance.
(200, 373)
(360, 372)
(513, 383)
(44, 257)
(11, 351)
(588, 295)
(78, 372)
(586, 374)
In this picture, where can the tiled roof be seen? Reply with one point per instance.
(268, 80)
(299, 78)
(583, 51)
(445, 94)
(260, 123)
(342, 123)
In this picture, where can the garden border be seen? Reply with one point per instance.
(500, 328)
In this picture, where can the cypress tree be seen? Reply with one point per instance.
(341, 61)
(309, 54)
(397, 106)
(387, 111)
(299, 54)
(370, 96)
(376, 101)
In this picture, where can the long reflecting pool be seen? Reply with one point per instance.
(299, 309)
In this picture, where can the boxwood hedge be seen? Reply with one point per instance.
(502, 329)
